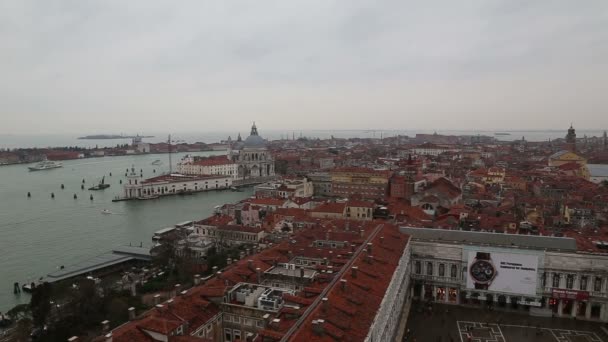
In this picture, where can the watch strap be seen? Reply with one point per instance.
(482, 256)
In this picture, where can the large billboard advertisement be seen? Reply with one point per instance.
(502, 272)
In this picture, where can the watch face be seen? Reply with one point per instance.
(482, 271)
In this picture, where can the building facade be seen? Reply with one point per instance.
(215, 165)
(252, 157)
(172, 184)
(367, 183)
(539, 274)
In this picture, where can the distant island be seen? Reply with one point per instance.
(114, 136)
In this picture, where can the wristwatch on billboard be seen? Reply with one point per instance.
(482, 271)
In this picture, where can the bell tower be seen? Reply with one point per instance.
(571, 139)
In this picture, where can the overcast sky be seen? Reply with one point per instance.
(137, 66)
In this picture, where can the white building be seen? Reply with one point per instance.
(285, 188)
(214, 165)
(252, 157)
(538, 274)
(429, 149)
(171, 184)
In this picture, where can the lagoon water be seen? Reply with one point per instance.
(39, 234)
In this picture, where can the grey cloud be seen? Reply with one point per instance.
(318, 61)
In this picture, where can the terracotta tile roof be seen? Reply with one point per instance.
(267, 201)
(330, 207)
(351, 309)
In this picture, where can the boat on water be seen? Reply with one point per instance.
(106, 212)
(102, 185)
(235, 189)
(45, 165)
(157, 162)
(29, 287)
(502, 133)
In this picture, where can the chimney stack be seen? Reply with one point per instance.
(73, 339)
(354, 271)
(177, 289)
(317, 327)
(241, 255)
(214, 269)
(250, 264)
(156, 299)
(109, 337)
(197, 279)
(228, 261)
(343, 284)
(382, 240)
(324, 304)
(266, 318)
(131, 313)
(369, 248)
(258, 274)
(362, 232)
(105, 326)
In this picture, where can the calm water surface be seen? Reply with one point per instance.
(38, 234)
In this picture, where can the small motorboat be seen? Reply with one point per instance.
(235, 189)
(28, 287)
(106, 212)
(157, 162)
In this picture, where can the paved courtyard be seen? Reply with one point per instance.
(460, 324)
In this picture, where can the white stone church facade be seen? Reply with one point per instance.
(252, 157)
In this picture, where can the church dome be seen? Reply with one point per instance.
(254, 140)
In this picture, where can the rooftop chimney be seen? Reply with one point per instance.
(369, 248)
(73, 339)
(241, 255)
(266, 318)
(343, 284)
(317, 327)
(214, 269)
(228, 261)
(108, 337)
(354, 271)
(197, 279)
(131, 313)
(258, 274)
(177, 289)
(362, 232)
(105, 326)
(324, 304)
(382, 240)
(156, 299)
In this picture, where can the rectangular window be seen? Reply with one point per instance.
(569, 281)
(441, 270)
(429, 268)
(453, 271)
(583, 284)
(227, 335)
(236, 334)
(418, 267)
(597, 286)
(556, 277)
